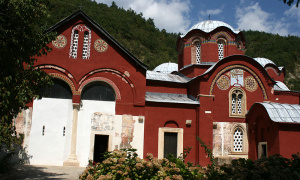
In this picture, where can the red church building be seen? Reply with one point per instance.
(104, 98)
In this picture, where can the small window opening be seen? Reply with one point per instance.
(198, 53)
(64, 131)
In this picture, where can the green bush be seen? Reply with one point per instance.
(126, 164)
(273, 167)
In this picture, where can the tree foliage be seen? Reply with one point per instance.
(282, 50)
(21, 41)
(290, 2)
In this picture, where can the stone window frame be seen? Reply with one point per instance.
(161, 134)
(194, 51)
(243, 128)
(224, 42)
(243, 104)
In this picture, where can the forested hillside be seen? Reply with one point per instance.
(154, 46)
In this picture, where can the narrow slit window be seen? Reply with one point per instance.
(198, 53)
(43, 132)
(64, 131)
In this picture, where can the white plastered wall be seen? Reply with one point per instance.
(98, 118)
(52, 148)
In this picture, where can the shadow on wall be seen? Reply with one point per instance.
(10, 158)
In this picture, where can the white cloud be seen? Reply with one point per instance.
(171, 15)
(293, 12)
(252, 17)
(211, 12)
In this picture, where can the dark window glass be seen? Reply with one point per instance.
(170, 144)
(98, 91)
(60, 89)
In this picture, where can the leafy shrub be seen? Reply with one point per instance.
(126, 164)
(273, 167)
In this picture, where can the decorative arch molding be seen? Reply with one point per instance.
(241, 67)
(124, 76)
(60, 69)
(101, 79)
(171, 124)
(221, 34)
(65, 79)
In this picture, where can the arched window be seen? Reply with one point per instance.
(198, 52)
(85, 45)
(80, 30)
(75, 44)
(238, 140)
(237, 102)
(60, 89)
(221, 47)
(98, 92)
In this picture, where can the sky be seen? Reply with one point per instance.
(178, 16)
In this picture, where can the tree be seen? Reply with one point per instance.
(22, 40)
(290, 2)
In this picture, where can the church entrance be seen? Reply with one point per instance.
(100, 147)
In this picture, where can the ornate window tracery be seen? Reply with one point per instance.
(237, 102)
(238, 140)
(79, 31)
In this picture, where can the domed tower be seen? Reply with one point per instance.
(208, 42)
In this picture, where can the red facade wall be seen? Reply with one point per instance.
(159, 114)
(289, 139)
(112, 64)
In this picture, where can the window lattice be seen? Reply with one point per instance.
(238, 140)
(85, 45)
(198, 53)
(239, 104)
(236, 102)
(75, 45)
(221, 50)
(233, 104)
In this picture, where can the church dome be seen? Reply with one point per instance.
(210, 25)
(166, 67)
(263, 61)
